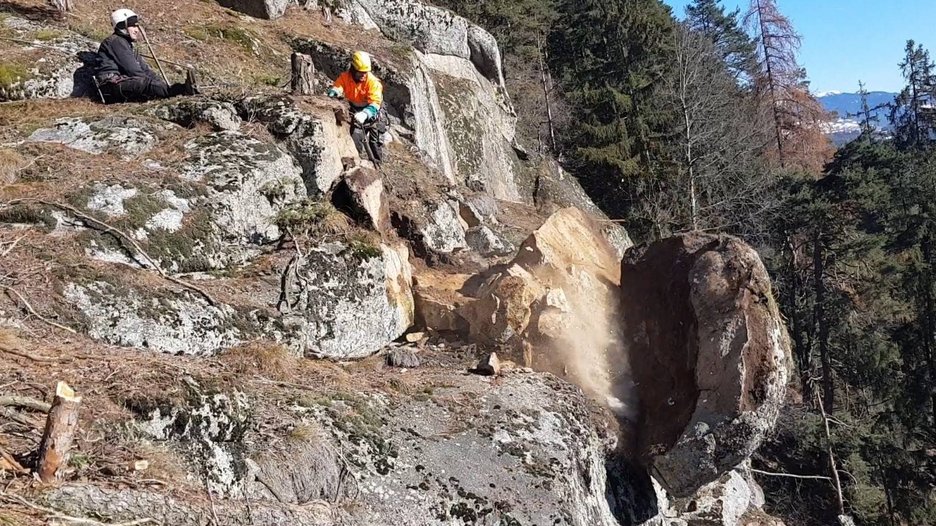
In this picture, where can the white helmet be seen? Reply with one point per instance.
(121, 16)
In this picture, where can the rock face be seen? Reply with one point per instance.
(248, 183)
(345, 302)
(175, 325)
(129, 136)
(268, 9)
(555, 304)
(434, 30)
(528, 436)
(458, 117)
(700, 314)
(58, 68)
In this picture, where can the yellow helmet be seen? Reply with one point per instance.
(361, 61)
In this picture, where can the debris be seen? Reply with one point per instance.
(488, 366)
(414, 337)
(403, 357)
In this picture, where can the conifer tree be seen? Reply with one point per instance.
(737, 49)
(913, 113)
(610, 57)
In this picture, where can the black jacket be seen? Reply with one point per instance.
(118, 56)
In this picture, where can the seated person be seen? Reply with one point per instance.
(122, 74)
(364, 92)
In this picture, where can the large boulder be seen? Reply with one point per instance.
(709, 355)
(555, 305)
(248, 182)
(182, 324)
(310, 133)
(556, 188)
(343, 301)
(126, 136)
(267, 9)
(434, 30)
(58, 65)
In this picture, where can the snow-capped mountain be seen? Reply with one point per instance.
(847, 106)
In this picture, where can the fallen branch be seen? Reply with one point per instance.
(790, 475)
(13, 244)
(32, 311)
(101, 225)
(26, 402)
(55, 514)
(7, 462)
(28, 356)
(59, 432)
(14, 416)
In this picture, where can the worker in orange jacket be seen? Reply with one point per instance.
(364, 92)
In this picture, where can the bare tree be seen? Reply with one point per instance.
(718, 182)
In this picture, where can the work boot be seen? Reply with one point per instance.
(191, 84)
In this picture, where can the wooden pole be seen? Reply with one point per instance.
(153, 53)
(59, 432)
(303, 74)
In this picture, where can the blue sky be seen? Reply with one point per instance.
(848, 40)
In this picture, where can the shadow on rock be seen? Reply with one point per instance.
(630, 492)
(84, 76)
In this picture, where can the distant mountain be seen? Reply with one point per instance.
(846, 106)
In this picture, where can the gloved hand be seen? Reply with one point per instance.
(333, 93)
(361, 116)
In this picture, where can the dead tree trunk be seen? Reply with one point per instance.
(63, 5)
(544, 74)
(59, 431)
(840, 501)
(303, 74)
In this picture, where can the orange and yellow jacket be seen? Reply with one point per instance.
(366, 95)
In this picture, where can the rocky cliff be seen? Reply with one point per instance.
(266, 329)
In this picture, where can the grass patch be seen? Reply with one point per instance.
(313, 218)
(267, 80)
(92, 32)
(236, 35)
(263, 358)
(365, 245)
(12, 74)
(11, 162)
(46, 34)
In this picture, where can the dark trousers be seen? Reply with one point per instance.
(140, 89)
(369, 133)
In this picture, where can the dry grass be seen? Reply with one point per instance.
(266, 359)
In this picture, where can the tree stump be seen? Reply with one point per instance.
(303, 74)
(62, 5)
(59, 432)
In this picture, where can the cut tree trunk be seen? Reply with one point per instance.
(303, 74)
(59, 432)
(62, 5)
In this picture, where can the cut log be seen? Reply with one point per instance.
(59, 432)
(303, 74)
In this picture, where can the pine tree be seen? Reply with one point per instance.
(913, 114)
(610, 57)
(737, 49)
